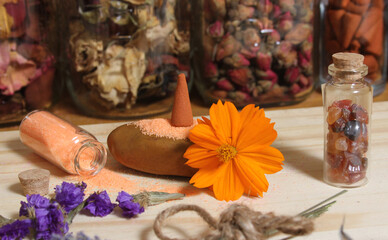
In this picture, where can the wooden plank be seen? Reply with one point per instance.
(298, 186)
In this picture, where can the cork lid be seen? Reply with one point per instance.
(348, 61)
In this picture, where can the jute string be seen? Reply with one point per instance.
(238, 222)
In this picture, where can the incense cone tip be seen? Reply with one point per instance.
(181, 115)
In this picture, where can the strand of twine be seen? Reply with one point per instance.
(238, 222)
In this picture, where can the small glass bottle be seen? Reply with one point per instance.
(348, 102)
(67, 146)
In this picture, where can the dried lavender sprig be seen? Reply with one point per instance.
(146, 199)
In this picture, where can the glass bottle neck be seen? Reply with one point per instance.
(348, 76)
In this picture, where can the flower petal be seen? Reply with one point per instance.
(255, 130)
(269, 158)
(251, 176)
(228, 185)
(200, 157)
(204, 136)
(221, 122)
(205, 177)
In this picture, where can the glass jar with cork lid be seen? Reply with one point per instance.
(347, 99)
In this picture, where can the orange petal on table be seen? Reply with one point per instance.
(199, 157)
(205, 177)
(269, 158)
(235, 119)
(204, 136)
(228, 185)
(220, 118)
(251, 175)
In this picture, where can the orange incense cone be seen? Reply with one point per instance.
(181, 115)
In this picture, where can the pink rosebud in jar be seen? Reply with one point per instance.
(287, 5)
(304, 81)
(294, 89)
(268, 75)
(241, 13)
(227, 47)
(264, 60)
(237, 60)
(292, 75)
(224, 84)
(248, 54)
(215, 30)
(286, 55)
(305, 63)
(240, 76)
(240, 97)
(211, 70)
(285, 22)
(251, 39)
(277, 11)
(265, 6)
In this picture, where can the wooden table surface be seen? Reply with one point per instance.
(298, 186)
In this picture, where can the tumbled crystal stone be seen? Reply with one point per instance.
(352, 129)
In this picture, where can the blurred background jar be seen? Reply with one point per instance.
(124, 55)
(253, 51)
(356, 26)
(27, 63)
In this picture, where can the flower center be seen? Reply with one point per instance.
(226, 153)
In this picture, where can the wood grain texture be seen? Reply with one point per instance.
(298, 186)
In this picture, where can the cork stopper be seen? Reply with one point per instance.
(182, 115)
(348, 61)
(35, 181)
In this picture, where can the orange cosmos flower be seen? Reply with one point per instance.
(232, 151)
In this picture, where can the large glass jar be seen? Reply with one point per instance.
(125, 55)
(357, 27)
(253, 51)
(26, 60)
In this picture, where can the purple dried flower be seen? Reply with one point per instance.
(130, 208)
(50, 221)
(69, 195)
(16, 230)
(33, 201)
(99, 204)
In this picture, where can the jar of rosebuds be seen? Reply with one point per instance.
(253, 51)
